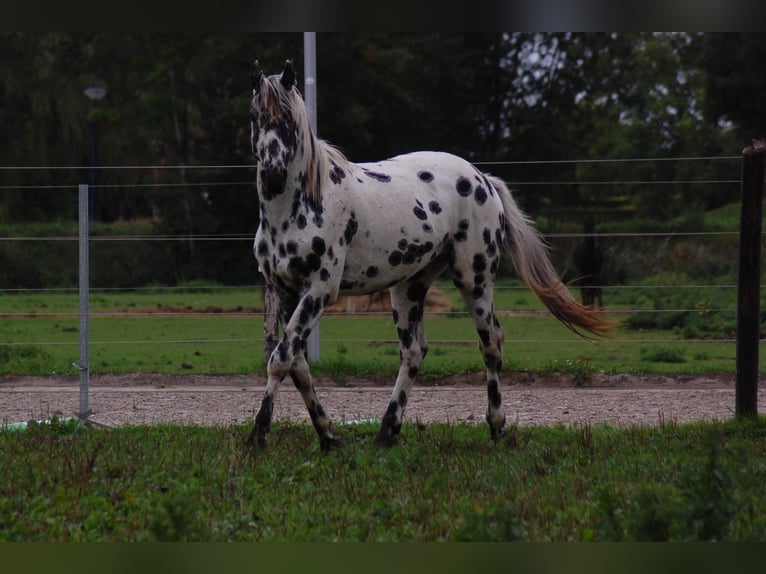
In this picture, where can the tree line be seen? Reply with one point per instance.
(182, 100)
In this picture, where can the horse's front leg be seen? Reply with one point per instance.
(289, 358)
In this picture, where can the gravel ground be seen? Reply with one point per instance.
(141, 399)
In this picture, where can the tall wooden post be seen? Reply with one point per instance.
(749, 284)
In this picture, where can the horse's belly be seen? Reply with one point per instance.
(373, 267)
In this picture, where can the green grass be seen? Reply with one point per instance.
(218, 331)
(442, 482)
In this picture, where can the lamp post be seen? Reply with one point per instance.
(94, 94)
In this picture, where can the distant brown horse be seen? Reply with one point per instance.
(589, 259)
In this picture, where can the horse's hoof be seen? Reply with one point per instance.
(496, 434)
(256, 438)
(384, 440)
(327, 443)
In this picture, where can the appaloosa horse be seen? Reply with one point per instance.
(329, 226)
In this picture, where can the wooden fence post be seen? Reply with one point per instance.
(749, 284)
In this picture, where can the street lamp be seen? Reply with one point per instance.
(94, 94)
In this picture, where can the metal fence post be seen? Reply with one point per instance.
(313, 348)
(84, 364)
(749, 283)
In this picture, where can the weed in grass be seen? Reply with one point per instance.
(579, 370)
(663, 355)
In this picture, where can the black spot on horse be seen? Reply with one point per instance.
(402, 245)
(462, 234)
(484, 336)
(381, 177)
(402, 394)
(301, 221)
(420, 213)
(415, 314)
(434, 207)
(494, 394)
(477, 292)
(395, 258)
(427, 228)
(274, 148)
(463, 186)
(416, 292)
(297, 345)
(426, 176)
(298, 266)
(479, 263)
(405, 337)
(313, 261)
(263, 248)
(351, 228)
(492, 362)
(292, 247)
(324, 274)
(372, 271)
(336, 174)
(318, 245)
(480, 195)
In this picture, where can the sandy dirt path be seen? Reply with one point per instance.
(529, 400)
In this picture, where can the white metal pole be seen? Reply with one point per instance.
(310, 97)
(84, 364)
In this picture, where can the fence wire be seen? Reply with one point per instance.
(248, 238)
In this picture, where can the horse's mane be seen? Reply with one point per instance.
(320, 155)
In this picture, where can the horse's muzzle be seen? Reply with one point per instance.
(273, 182)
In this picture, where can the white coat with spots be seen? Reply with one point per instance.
(330, 227)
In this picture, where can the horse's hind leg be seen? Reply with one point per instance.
(407, 302)
(476, 286)
(491, 345)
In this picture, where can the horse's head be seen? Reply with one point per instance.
(274, 126)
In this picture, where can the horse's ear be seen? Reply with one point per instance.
(256, 75)
(288, 75)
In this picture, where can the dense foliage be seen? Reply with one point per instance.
(177, 101)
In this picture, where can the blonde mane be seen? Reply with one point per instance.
(320, 155)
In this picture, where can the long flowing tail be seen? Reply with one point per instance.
(530, 257)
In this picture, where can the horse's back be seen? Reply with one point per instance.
(409, 209)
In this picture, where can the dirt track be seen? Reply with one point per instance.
(528, 399)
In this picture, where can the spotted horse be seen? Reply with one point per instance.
(329, 227)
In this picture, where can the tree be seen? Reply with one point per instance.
(734, 80)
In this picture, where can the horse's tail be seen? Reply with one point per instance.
(530, 258)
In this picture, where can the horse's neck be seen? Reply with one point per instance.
(286, 202)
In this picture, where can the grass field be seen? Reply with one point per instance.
(219, 331)
(62, 482)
